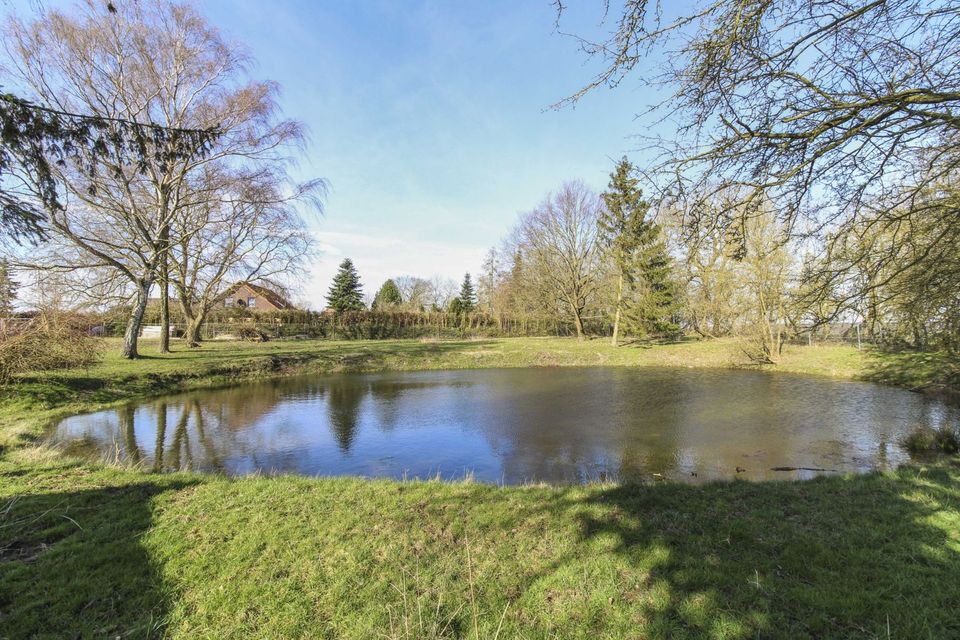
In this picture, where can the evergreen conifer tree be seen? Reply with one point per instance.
(468, 297)
(346, 292)
(645, 290)
(388, 296)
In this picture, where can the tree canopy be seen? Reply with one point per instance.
(387, 296)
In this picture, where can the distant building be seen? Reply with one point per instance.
(253, 296)
(154, 330)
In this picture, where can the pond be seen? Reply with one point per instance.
(513, 426)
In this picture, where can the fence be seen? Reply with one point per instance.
(385, 325)
(839, 333)
(377, 325)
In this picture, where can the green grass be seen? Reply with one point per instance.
(99, 552)
(96, 551)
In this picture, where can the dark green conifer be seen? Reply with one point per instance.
(346, 293)
(468, 297)
(388, 296)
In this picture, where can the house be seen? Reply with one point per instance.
(256, 297)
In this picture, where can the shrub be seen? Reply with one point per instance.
(252, 334)
(45, 342)
(927, 440)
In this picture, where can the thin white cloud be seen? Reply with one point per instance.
(381, 256)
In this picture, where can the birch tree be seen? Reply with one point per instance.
(154, 63)
(239, 227)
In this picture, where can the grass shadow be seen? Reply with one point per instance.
(71, 563)
(927, 371)
(837, 557)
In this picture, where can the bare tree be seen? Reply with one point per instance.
(417, 293)
(713, 300)
(147, 62)
(237, 227)
(559, 240)
(835, 111)
(767, 272)
(754, 296)
(442, 291)
(900, 274)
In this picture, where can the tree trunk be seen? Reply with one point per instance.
(577, 322)
(192, 331)
(164, 309)
(132, 332)
(164, 203)
(616, 316)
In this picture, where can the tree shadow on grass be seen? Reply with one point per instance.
(72, 565)
(838, 557)
(929, 371)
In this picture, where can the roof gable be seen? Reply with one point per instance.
(274, 298)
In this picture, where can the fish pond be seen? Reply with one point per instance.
(515, 426)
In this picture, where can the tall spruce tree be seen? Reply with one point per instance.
(468, 297)
(346, 293)
(653, 302)
(388, 296)
(645, 290)
(8, 290)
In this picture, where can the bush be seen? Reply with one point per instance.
(252, 334)
(45, 342)
(927, 440)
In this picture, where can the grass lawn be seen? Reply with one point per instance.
(95, 551)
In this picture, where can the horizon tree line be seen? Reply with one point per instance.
(412, 294)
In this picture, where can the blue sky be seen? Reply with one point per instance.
(430, 120)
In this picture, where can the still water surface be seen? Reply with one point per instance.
(518, 425)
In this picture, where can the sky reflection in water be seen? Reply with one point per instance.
(518, 425)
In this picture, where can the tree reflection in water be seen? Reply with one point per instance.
(127, 418)
(161, 437)
(514, 426)
(343, 405)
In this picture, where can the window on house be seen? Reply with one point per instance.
(251, 302)
(228, 302)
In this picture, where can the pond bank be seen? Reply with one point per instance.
(93, 550)
(219, 364)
